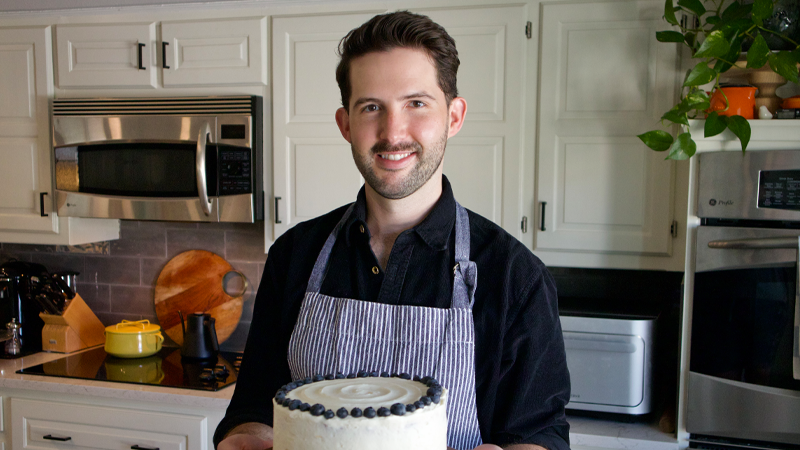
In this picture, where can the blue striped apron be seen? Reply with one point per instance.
(345, 335)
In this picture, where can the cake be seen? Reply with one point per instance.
(363, 411)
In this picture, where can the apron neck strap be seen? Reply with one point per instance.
(321, 265)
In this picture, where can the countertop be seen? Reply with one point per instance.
(175, 396)
(584, 431)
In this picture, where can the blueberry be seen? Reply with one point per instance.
(308, 380)
(329, 414)
(280, 396)
(436, 398)
(419, 404)
(433, 391)
(395, 375)
(317, 410)
(351, 375)
(374, 373)
(398, 409)
(426, 400)
(384, 411)
(304, 407)
(405, 376)
(341, 413)
(362, 374)
(299, 383)
(294, 404)
(385, 374)
(330, 376)
(417, 378)
(291, 386)
(369, 413)
(431, 381)
(317, 377)
(356, 412)
(411, 407)
(287, 401)
(339, 375)
(426, 380)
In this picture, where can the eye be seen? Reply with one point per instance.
(370, 108)
(417, 104)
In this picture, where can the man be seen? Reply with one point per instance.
(408, 261)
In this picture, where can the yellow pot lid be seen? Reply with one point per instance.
(130, 327)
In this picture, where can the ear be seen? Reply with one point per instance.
(457, 113)
(343, 120)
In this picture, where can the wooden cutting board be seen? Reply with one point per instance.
(193, 282)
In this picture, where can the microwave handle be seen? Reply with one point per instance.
(200, 167)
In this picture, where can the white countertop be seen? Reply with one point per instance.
(140, 392)
(590, 432)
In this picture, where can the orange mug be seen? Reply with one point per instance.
(742, 101)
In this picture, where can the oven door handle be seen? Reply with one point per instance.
(796, 354)
(200, 166)
(755, 243)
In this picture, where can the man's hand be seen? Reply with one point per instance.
(248, 436)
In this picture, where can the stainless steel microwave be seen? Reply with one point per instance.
(192, 159)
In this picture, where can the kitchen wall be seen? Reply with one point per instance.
(117, 278)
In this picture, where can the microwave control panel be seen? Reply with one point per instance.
(779, 189)
(234, 171)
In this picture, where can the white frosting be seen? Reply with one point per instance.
(423, 429)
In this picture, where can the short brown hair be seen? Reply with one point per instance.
(401, 29)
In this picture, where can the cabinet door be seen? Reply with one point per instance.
(108, 55)
(215, 52)
(24, 144)
(313, 167)
(604, 79)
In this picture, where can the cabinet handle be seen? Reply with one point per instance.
(41, 203)
(138, 447)
(50, 437)
(277, 220)
(141, 67)
(164, 54)
(541, 227)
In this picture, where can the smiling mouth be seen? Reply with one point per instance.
(394, 156)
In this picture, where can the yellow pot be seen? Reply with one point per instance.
(133, 339)
(142, 370)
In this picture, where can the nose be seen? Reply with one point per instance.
(393, 127)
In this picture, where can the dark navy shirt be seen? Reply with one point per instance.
(522, 383)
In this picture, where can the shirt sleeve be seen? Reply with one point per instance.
(534, 386)
(264, 366)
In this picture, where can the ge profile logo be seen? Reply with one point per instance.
(712, 202)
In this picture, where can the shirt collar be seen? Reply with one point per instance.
(434, 230)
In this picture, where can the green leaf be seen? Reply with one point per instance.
(758, 53)
(713, 20)
(669, 36)
(700, 74)
(762, 10)
(691, 40)
(736, 10)
(697, 99)
(741, 128)
(785, 65)
(658, 140)
(714, 46)
(669, 13)
(695, 6)
(715, 124)
(726, 62)
(676, 117)
(683, 147)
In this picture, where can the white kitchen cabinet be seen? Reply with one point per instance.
(313, 170)
(604, 80)
(219, 52)
(26, 85)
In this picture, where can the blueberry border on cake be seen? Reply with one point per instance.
(434, 395)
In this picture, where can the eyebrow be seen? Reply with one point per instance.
(422, 94)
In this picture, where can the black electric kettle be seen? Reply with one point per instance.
(199, 336)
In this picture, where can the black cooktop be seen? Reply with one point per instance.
(165, 368)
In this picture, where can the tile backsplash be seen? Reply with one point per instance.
(117, 278)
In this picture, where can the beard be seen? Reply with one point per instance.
(428, 160)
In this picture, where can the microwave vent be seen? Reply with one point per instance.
(154, 106)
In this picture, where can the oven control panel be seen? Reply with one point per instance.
(779, 189)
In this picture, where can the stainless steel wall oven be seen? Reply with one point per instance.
(183, 159)
(744, 380)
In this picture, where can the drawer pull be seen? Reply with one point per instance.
(137, 447)
(50, 437)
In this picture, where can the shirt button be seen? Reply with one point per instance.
(361, 227)
(375, 270)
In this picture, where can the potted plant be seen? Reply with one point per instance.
(717, 38)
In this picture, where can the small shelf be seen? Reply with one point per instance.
(775, 134)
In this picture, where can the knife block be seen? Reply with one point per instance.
(77, 328)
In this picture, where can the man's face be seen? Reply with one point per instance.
(398, 121)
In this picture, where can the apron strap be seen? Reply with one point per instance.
(321, 265)
(465, 273)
